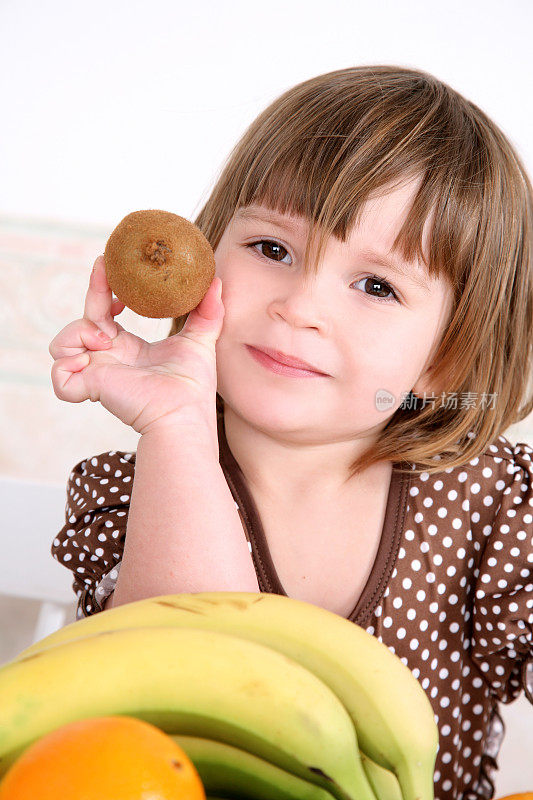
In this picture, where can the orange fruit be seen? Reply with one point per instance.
(103, 758)
(519, 796)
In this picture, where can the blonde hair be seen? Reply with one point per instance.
(322, 148)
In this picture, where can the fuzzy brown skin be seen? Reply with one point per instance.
(159, 264)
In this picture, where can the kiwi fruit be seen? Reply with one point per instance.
(159, 264)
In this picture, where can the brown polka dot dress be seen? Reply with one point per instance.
(450, 592)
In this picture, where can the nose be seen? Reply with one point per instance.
(300, 301)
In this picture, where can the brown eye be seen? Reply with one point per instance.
(273, 251)
(383, 291)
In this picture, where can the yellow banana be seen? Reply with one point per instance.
(224, 768)
(392, 715)
(189, 681)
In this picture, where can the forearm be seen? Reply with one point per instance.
(184, 532)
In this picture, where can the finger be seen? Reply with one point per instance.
(117, 306)
(204, 322)
(211, 304)
(98, 301)
(67, 381)
(78, 337)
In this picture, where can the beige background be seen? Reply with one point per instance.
(44, 273)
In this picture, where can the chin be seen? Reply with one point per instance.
(263, 409)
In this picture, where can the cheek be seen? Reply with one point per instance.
(234, 308)
(239, 311)
(242, 295)
(384, 353)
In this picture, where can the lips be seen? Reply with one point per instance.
(289, 361)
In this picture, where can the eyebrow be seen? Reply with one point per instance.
(406, 272)
(372, 256)
(268, 216)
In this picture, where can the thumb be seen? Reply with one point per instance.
(204, 323)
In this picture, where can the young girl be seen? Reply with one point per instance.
(375, 225)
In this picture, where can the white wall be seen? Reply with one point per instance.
(110, 106)
(114, 105)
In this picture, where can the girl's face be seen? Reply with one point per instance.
(372, 330)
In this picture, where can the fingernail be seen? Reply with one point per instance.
(103, 336)
(219, 290)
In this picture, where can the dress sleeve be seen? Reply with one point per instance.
(91, 542)
(502, 634)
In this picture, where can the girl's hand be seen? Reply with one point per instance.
(168, 383)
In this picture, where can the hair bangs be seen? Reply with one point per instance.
(324, 162)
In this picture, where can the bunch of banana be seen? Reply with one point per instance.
(189, 681)
(310, 701)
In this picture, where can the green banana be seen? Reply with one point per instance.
(188, 681)
(383, 782)
(224, 768)
(392, 715)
